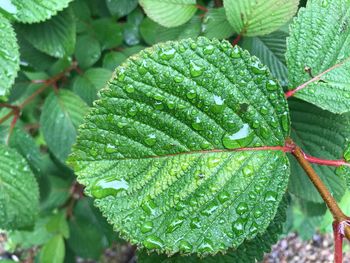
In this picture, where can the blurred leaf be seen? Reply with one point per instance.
(216, 25)
(55, 37)
(19, 198)
(58, 224)
(121, 8)
(113, 59)
(87, 50)
(108, 32)
(131, 28)
(53, 251)
(61, 115)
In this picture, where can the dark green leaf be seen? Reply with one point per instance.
(58, 224)
(131, 28)
(121, 8)
(113, 59)
(108, 32)
(87, 51)
(53, 251)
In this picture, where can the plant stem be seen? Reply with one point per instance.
(335, 210)
(236, 40)
(338, 243)
(203, 8)
(320, 161)
(290, 93)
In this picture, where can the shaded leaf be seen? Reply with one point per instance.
(216, 25)
(87, 50)
(108, 32)
(53, 251)
(121, 8)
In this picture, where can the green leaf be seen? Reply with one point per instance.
(254, 18)
(322, 134)
(121, 8)
(250, 251)
(131, 28)
(87, 85)
(113, 59)
(19, 197)
(55, 37)
(153, 33)
(61, 115)
(271, 50)
(216, 25)
(319, 39)
(9, 57)
(53, 251)
(33, 11)
(87, 50)
(108, 33)
(158, 150)
(169, 13)
(58, 224)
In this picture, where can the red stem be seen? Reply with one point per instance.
(338, 243)
(203, 8)
(290, 93)
(320, 161)
(236, 40)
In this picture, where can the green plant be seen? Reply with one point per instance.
(192, 147)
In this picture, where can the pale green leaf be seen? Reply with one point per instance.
(153, 33)
(216, 25)
(9, 57)
(169, 13)
(319, 39)
(55, 37)
(61, 115)
(33, 11)
(271, 50)
(121, 8)
(254, 18)
(158, 150)
(19, 198)
(53, 251)
(322, 134)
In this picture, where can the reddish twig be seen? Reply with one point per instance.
(320, 161)
(202, 8)
(338, 243)
(236, 40)
(290, 93)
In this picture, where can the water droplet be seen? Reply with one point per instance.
(210, 209)
(254, 228)
(271, 85)
(153, 242)
(324, 3)
(158, 105)
(242, 138)
(132, 111)
(285, 121)
(129, 89)
(257, 68)
(185, 246)
(193, 45)
(206, 145)
(197, 124)
(238, 226)
(175, 224)
(147, 227)
(206, 246)
(218, 105)
(151, 139)
(142, 69)
(191, 94)
(110, 148)
(108, 186)
(196, 70)
(167, 54)
(263, 110)
(178, 79)
(258, 213)
(195, 223)
(121, 124)
(242, 208)
(208, 50)
(270, 196)
(248, 171)
(235, 52)
(213, 162)
(149, 207)
(223, 197)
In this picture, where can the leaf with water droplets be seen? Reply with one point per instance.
(9, 57)
(19, 193)
(34, 11)
(256, 18)
(319, 39)
(159, 149)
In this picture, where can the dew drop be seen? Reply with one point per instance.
(153, 242)
(271, 85)
(132, 111)
(285, 121)
(142, 69)
(110, 148)
(185, 246)
(178, 79)
(167, 54)
(151, 139)
(238, 226)
(239, 139)
(191, 94)
(196, 70)
(175, 224)
(324, 3)
(257, 68)
(147, 227)
(242, 208)
(193, 45)
(149, 207)
(158, 105)
(254, 228)
(235, 52)
(248, 171)
(108, 186)
(224, 196)
(218, 105)
(270, 196)
(197, 124)
(206, 246)
(258, 213)
(129, 89)
(208, 50)
(195, 223)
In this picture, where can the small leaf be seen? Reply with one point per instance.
(158, 149)
(131, 28)
(216, 25)
(53, 251)
(113, 59)
(87, 85)
(34, 11)
(254, 18)
(169, 13)
(108, 33)
(55, 37)
(322, 134)
(319, 39)
(58, 224)
(87, 50)
(19, 197)
(153, 33)
(121, 8)
(9, 57)
(61, 115)
(270, 49)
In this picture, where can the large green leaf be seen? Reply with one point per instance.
(216, 25)
(55, 37)
(9, 57)
(33, 11)
(19, 198)
(253, 18)
(319, 39)
(158, 150)
(169, 13)
(271, 50)
(250, 251)
(59, 120)
(322, 134)
(153, 33)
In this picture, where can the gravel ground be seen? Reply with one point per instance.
(290, 249)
